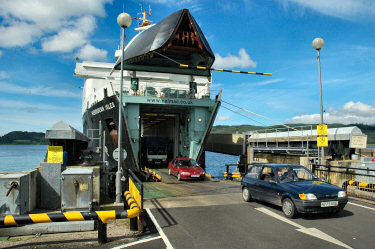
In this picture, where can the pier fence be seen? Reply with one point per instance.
(357, 182)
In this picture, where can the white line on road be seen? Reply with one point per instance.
(137, 242)
(355, 204)
(161, 232)
(279, 217)
(310, 231)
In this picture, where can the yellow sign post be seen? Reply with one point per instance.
(322, 141)
(322, 129)
(55, 154)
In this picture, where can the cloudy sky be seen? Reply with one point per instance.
(40, 40)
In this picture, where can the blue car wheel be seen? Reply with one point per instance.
(289, 209)
(246, 196)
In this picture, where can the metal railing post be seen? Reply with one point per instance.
(102, 232)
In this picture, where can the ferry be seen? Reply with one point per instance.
(161, 97)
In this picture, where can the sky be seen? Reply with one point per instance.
(41, 39)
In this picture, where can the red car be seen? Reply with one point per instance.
(186, 168)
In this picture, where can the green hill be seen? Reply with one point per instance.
(23, 137)
(369, 130)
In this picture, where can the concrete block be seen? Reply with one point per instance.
(44, 228)
(50, 185)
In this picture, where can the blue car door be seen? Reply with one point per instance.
(251, 179)
(268, 188)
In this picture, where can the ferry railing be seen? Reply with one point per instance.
(358, 182)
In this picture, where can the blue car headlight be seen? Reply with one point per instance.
(341, 194)
(308, 197)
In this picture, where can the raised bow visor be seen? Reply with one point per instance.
(175, 40)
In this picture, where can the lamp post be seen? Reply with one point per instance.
(124, 20)
(318, 44)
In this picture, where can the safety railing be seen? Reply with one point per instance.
(297, 139)
(135, 187)
(133, 204)
(101, 217)
(358, 182)
(241, 167)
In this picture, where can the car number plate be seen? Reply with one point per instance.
(195, 175)
(329, 204)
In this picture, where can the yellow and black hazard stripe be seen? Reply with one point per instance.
(103, 216)
(222, 70)
(361, 185)
(133, 210)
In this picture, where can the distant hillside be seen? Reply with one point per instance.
(23, 137)
(369, 130)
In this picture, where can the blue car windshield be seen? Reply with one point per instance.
(294, 173)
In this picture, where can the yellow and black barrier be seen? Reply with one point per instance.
(232, 175)
(222, 70)
(155, 177)
(101, 216)
(360, 185)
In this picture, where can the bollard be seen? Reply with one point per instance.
(102, 232)
(134, 224)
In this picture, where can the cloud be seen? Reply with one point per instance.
(91, 53)
(18, 34)
(223, 118)
(349, 113)
(345, 9)
(38, 90)
(243, 60)
(264, 83)
(70, 38)
(52, 22)
(31, 107)
(3, 75)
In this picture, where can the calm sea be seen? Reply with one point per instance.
(14, 158)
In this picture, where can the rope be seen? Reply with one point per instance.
(259, 115)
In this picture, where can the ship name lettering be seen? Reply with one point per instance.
(109, 106)
(97, 111)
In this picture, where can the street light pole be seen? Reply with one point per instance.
(124, 20)
(318, 44)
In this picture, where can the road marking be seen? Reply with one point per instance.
(355, 204)
(137, 242)
(320, 235)
(279, 217)
(161, 232)
(310, 231)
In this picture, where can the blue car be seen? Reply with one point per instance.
(293, 187)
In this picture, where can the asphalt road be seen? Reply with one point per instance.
(216, 217)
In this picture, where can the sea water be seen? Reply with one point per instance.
(15, 158)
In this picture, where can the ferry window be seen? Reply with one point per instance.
(105, 92)
(253, 172)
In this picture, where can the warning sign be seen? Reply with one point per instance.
(322, 141)
(358, 141)
(322, 129)
(55, 154)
